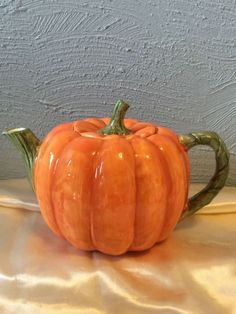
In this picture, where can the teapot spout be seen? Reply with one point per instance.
(27, 143)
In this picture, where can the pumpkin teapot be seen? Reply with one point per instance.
(116, 185)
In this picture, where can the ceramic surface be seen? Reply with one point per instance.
(116, 185)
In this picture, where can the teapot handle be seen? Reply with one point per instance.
(217, 182)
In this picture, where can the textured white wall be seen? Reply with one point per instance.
(173, 60)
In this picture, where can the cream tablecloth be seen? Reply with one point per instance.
(194, 271)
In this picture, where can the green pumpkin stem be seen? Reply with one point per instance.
(116, 124)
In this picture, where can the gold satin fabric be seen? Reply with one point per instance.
(194, 271)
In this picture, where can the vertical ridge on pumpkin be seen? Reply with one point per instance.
(72, 193)
(187, 171)
(114, 197)
(151, 193)
(92, 202)
(135, 205)
(177, 196)
(46, 141)
(168, 133)
(46, 161)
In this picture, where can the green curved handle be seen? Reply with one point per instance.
(217, 182)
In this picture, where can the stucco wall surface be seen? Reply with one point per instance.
(173, 60)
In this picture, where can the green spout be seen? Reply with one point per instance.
(27, 143)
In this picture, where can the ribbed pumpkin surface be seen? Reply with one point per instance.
(111, 193)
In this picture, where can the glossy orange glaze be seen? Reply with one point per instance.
(151, 193)
(114, 192)
(178, 185)
(111, 193)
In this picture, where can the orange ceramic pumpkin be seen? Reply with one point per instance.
(116, 185)
(111, 186)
